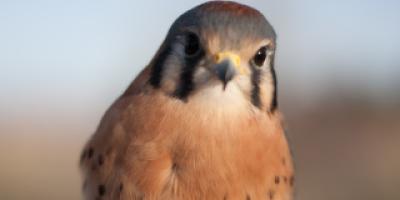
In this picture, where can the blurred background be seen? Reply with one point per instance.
(338, 63)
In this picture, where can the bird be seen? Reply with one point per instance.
(200, 121)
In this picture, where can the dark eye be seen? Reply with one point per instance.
(192, 44)
(260, 57)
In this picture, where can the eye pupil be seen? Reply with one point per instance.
(192, 44)
(260, 57)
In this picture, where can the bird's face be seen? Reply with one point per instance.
(218, 49)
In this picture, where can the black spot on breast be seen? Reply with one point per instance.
(285, 179)
(100, 160)
(121, 187)
(271, 194)
(101, 189)
(291, 181)
(277, 180)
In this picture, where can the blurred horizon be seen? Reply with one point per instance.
(64, 62)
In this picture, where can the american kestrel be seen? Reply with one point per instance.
(200, 122)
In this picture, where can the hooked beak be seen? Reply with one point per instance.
(227, 65)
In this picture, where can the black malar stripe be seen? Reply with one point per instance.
(185, 85)
(158, 65)
(255, 82)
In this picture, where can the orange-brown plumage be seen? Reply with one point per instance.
(213, 144)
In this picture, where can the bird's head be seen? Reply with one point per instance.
(222, 48)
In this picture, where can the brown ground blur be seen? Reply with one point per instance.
(344, 148)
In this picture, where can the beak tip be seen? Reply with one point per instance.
(225, 72)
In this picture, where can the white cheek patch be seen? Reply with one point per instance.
(268, 63)
(201, 77)
(171, 73)
(266, 88)
(172, 68)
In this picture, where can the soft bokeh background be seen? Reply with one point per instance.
(62, 63)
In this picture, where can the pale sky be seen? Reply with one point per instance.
(87, 52)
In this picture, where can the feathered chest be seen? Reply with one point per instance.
(181, 150)
(222, 145)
